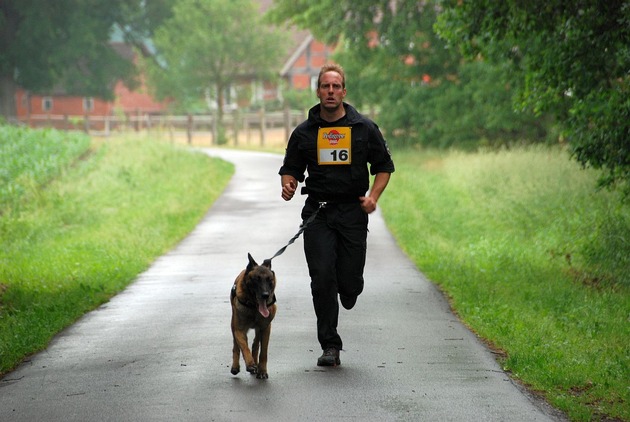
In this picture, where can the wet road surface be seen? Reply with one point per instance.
(161, 349)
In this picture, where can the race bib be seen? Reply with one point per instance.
(334, 145)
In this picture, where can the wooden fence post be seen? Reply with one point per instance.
(287, 120)
(214, 136)
(136, 123)
(235, 125)
(189, 128)
(263, 126)
(248, 128)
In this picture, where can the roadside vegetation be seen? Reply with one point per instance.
(80, 219)
(533, 258)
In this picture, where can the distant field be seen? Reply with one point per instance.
(275, 138)
(32, 158)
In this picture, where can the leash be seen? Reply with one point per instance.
(303, 227)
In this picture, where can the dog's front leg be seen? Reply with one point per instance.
(240, 337)
(265, 334)
(236, 349)
(236, 354)
(256, 346)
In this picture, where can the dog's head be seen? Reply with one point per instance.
(260, 282)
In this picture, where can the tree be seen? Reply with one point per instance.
(572, 59)
(65, 43)
(209, 46)
(398, 66)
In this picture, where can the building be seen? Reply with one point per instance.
(63, 111)
(299, 70)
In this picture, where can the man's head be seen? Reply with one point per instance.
(331, 87)
(332, 67)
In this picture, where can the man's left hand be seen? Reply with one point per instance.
(368, 204)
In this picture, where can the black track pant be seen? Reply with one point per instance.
(335, 248)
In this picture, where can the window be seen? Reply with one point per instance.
(88, 104)
(47, 104)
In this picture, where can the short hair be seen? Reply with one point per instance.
(332, 67)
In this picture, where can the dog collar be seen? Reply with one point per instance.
(250, 304)
(255, 305)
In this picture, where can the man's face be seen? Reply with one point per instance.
(330, 91)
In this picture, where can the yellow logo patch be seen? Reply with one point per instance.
(334, 145)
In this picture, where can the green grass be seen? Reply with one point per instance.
(75, 238)
(31, 158)
(533, 259)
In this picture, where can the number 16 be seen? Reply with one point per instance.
(339, 155)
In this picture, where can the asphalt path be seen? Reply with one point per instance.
(161, 349)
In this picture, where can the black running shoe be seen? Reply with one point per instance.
(348, 301)
(330, 357)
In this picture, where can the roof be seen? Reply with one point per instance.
(299, 41)
(295, 55)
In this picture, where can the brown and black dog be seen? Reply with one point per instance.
(253, 306)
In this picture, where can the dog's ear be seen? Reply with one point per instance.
(267, 263)
(252, 263)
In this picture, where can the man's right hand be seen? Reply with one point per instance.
(288, 190)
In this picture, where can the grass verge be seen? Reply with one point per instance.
(533, 259)
(70, 246)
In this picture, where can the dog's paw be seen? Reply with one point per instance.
(252, 369)
(262, 376)
(235, 370)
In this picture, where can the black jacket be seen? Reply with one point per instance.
(337, 182)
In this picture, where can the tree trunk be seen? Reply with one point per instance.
(8, 88)
(219, 120)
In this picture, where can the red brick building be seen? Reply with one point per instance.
(300, 68)
(58, 109)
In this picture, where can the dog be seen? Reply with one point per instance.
(253, 306)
